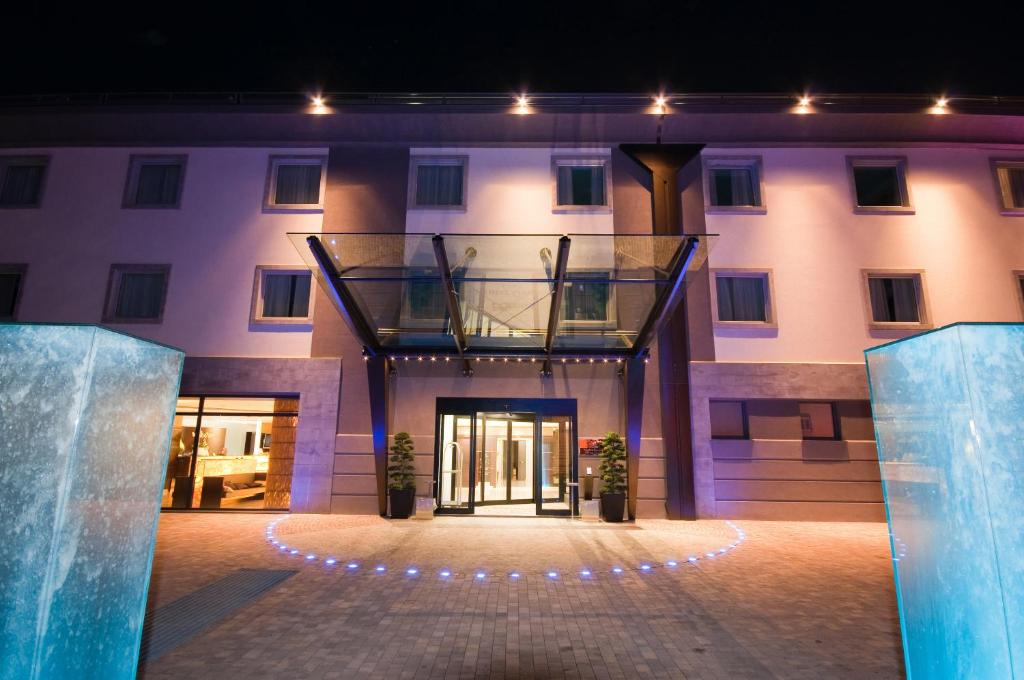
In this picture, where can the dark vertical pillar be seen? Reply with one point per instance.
(634, 378)
(377, 379)
(664, 163)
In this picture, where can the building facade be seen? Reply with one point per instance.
(509, 282)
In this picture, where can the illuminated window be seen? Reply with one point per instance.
(896, 299)
(21, 181)
(437, 182)
(154, 182)
(12, 281)
(581, 184)
(733, 184)
(1010, 183)
(136, 293)
(281, 295)
(295, 183)
(879, 184)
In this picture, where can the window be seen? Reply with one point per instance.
(21, 181)
(896, 300)
(879, 184)
(581, 184)
(231, 453)
(136, 293)
(295, 183)
(728, 420)
(426, 298)
(281, 296)
(586, 297)
(12, 281)
(818, 420)
(154, 182)
(438, 182)
(733, 184)
(1010, 185)
(743, 297)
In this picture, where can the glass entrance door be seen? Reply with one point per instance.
(486, 457)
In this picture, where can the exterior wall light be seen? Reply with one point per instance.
(660, 104)
(522, 105)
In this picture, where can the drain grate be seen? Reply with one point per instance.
(168, 626)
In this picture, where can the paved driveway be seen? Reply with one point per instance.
(792, 600)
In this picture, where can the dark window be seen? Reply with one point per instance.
(586, 299)
(818, 420)
(426, 298)
(581, 185)
(741, 298)
(734, 187)
(22, 182)
(878, 186)
(439, 184)
(1014, 192)
(285, 295)
(728, 420)
(894, 299)
(10, 287)
(1020, 280)
(297, 184)
(137, 293)
(156, 184)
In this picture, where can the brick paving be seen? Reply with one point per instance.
(796, 600)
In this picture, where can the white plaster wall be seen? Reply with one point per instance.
(817, 246)
(213, 244)
(509, 191)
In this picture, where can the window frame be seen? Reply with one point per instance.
(416, 160)
(753, 163)
(274, 162)
(603, 160)
(771, 320)
(117, 271)
(30, 159)
(743, 414)
(923, 309)
(256, 318)
(1002, 184)
(131, 185)
(837, 434)
(1018, 282)
(903, 178)
(21, 270)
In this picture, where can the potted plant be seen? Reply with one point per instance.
(613, 477)
(401, 476)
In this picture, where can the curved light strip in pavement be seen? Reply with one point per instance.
(446, 574)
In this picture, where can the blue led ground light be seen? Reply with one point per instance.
(446, 574)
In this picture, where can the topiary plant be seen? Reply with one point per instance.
(401, 463)
(613, 463)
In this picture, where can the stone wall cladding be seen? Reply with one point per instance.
(315, 381)
(816, 498)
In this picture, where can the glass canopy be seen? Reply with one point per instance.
(493, 293)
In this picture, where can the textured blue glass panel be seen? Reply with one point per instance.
(85, 419)
(949, 417)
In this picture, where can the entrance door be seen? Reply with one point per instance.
(494, 452)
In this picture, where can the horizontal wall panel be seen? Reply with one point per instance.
(650, 488)
(840, 471)
(354, 484)
(650, 509)
(793, 449)
(796, 511)
(353, 443)
(352, 463)
(651, 468)
(652, 447)
(761, 490)
(354, 505)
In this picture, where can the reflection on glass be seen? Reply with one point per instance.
(504, 458)
(453, 476)
(555, 462)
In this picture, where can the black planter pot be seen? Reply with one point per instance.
(401, 502)
(612, 506)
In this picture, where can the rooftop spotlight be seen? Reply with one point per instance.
(660, 103)
(318, 103)
(941, 105)
(803, 104)
(522, 104)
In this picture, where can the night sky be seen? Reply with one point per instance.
(509, 46)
